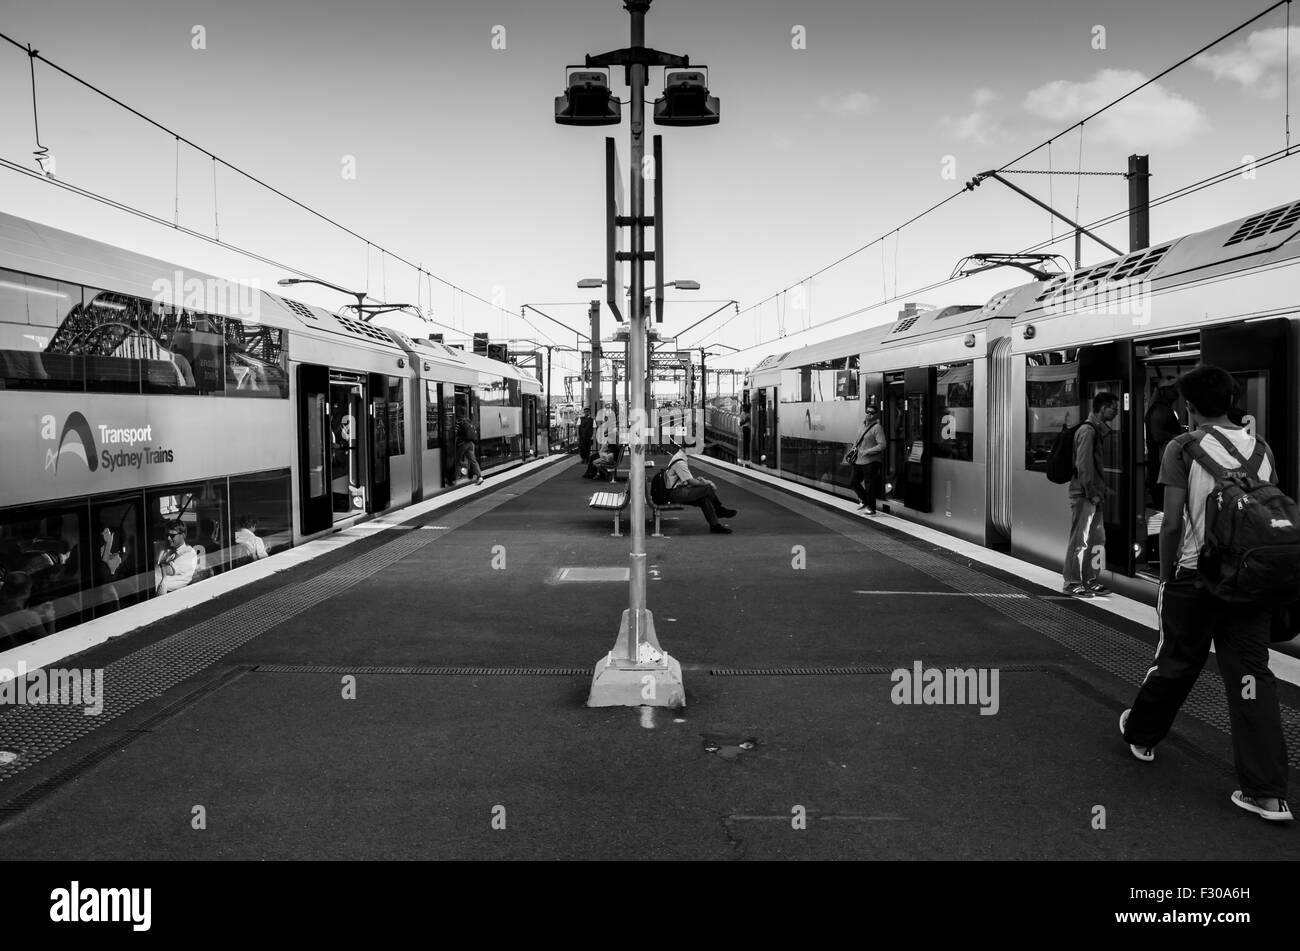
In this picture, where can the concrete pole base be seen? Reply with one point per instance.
(655, 680)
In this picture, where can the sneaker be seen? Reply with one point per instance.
(1100, 590)
(1252, 804)
(719, 529)
(1145, 753)
(1080, 591)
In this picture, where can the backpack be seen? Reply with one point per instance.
(1060, 458)
(1251, 550)
(465, 432)
(659, 493)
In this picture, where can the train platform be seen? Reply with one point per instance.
(419, 694)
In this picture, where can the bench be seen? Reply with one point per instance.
(611, 502)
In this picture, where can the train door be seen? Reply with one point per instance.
(918, 387)
(377, 437)
(348, 415)
(530, 426)
(1256, 355)
(458, 402)
(894, 421)
(1109, 368)
(766, 431)
(314, 449)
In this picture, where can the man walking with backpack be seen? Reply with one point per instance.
(1237, 550)
(1087, 491)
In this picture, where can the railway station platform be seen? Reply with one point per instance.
(419, 694)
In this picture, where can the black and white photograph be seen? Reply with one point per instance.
(650, 431)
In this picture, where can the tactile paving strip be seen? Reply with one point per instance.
(1116, 653)
(428, 671)
(39, 731)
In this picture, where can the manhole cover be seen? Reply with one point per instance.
(728, 747)
(593, 574)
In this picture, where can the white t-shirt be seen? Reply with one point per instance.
(1198, 482)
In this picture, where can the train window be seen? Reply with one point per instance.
(30, 310)
(796, 385)
(1052, 400)
(431, 409)
(119, 569)
(260, 509)
(954, 424)
(396, 416)
(42, 556)
(201, 508)
(256, 363)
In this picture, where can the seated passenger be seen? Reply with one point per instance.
(248, 546)
(19, 623)
(177, 563)
(687, 489)
(601, 464)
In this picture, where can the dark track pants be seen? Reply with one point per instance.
(465, 456)
(866, 483)
(1189, 620)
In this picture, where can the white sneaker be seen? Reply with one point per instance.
(1145, 753)
(1281, 814)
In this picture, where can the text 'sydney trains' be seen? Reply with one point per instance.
(973, 397)
(134, 394)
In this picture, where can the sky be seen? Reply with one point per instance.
(840, 121)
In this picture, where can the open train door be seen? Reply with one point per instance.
(380, 491)
(1109, 368)
(315, 504)
(1256, 353)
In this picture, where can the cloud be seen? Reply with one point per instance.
(1156, 116)
(1257, 63)
(979, 125)
(782, 143)
(855, 103)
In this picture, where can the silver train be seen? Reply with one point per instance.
(973, 396)
(134, 393)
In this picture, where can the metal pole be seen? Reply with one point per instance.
(637, 342)
(595, 357)
(548, 401)
(1139, 204)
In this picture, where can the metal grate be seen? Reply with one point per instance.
(905, 324)
(1134, 266)
(1256, 226)
(426, 671)
(299, 309)
(364, 330)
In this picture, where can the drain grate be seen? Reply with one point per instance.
(428, 671)
(41, 731)
(859, 671)
(594, 574)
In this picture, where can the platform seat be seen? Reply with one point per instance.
(611, 502)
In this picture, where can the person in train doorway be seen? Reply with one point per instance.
(1191, 617)
(744, 432)
(1162, 425)
(685, 488)
(1088, 491)
(868, 457)
(466, 459)
(176, 563)
(586, 429)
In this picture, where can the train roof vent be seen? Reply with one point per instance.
(364, 330)
(1128, 268)
(905, 324)
(300, 309)
(1268, 222)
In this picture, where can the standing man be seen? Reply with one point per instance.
(1087, 492)
(465, 439)
(1191, 617)
(176, 563)
(586, 427)
(869, 451)
(1163, 425)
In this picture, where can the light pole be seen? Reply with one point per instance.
(637, 672)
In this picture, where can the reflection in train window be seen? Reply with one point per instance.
(396, 416)
(260, 505)
(430, 415)
(42, 560)
(954, 422)
(1051, 401)
(30, 310)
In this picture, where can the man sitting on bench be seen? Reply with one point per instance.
(686, 489)
(601, 463)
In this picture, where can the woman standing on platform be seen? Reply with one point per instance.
(866, 455)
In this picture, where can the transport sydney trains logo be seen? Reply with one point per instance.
(115, 448)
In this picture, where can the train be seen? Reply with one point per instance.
(972, 396)
(135, 394)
